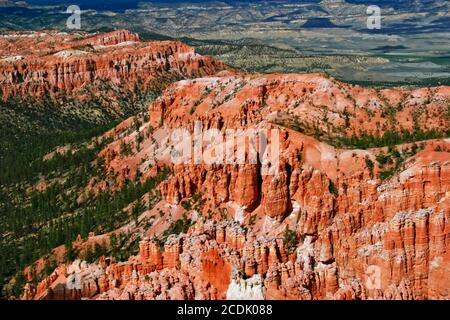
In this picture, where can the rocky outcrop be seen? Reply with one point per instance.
(115, 58)
(249, 289)
(320, 223)
(275, 195)
(405, 256)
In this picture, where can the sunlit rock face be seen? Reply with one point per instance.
(249, 289)
(324, 225)
(58, 64)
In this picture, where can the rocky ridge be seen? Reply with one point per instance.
(349, 223)
(64, 64)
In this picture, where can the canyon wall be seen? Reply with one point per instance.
(319, 223)
(70, 63)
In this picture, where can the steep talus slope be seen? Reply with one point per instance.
(357, 207)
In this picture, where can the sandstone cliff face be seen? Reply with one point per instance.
(358, 236)
(67, 67)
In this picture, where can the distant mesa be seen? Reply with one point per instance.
(321, 23)
(6, 3)
(390, 48)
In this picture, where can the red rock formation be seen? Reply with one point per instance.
(151, 254)
(118, 57)
(358, 236)
(327, 267)
(216, 271)
(275, 195)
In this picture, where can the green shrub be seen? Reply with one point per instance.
(290, 240)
